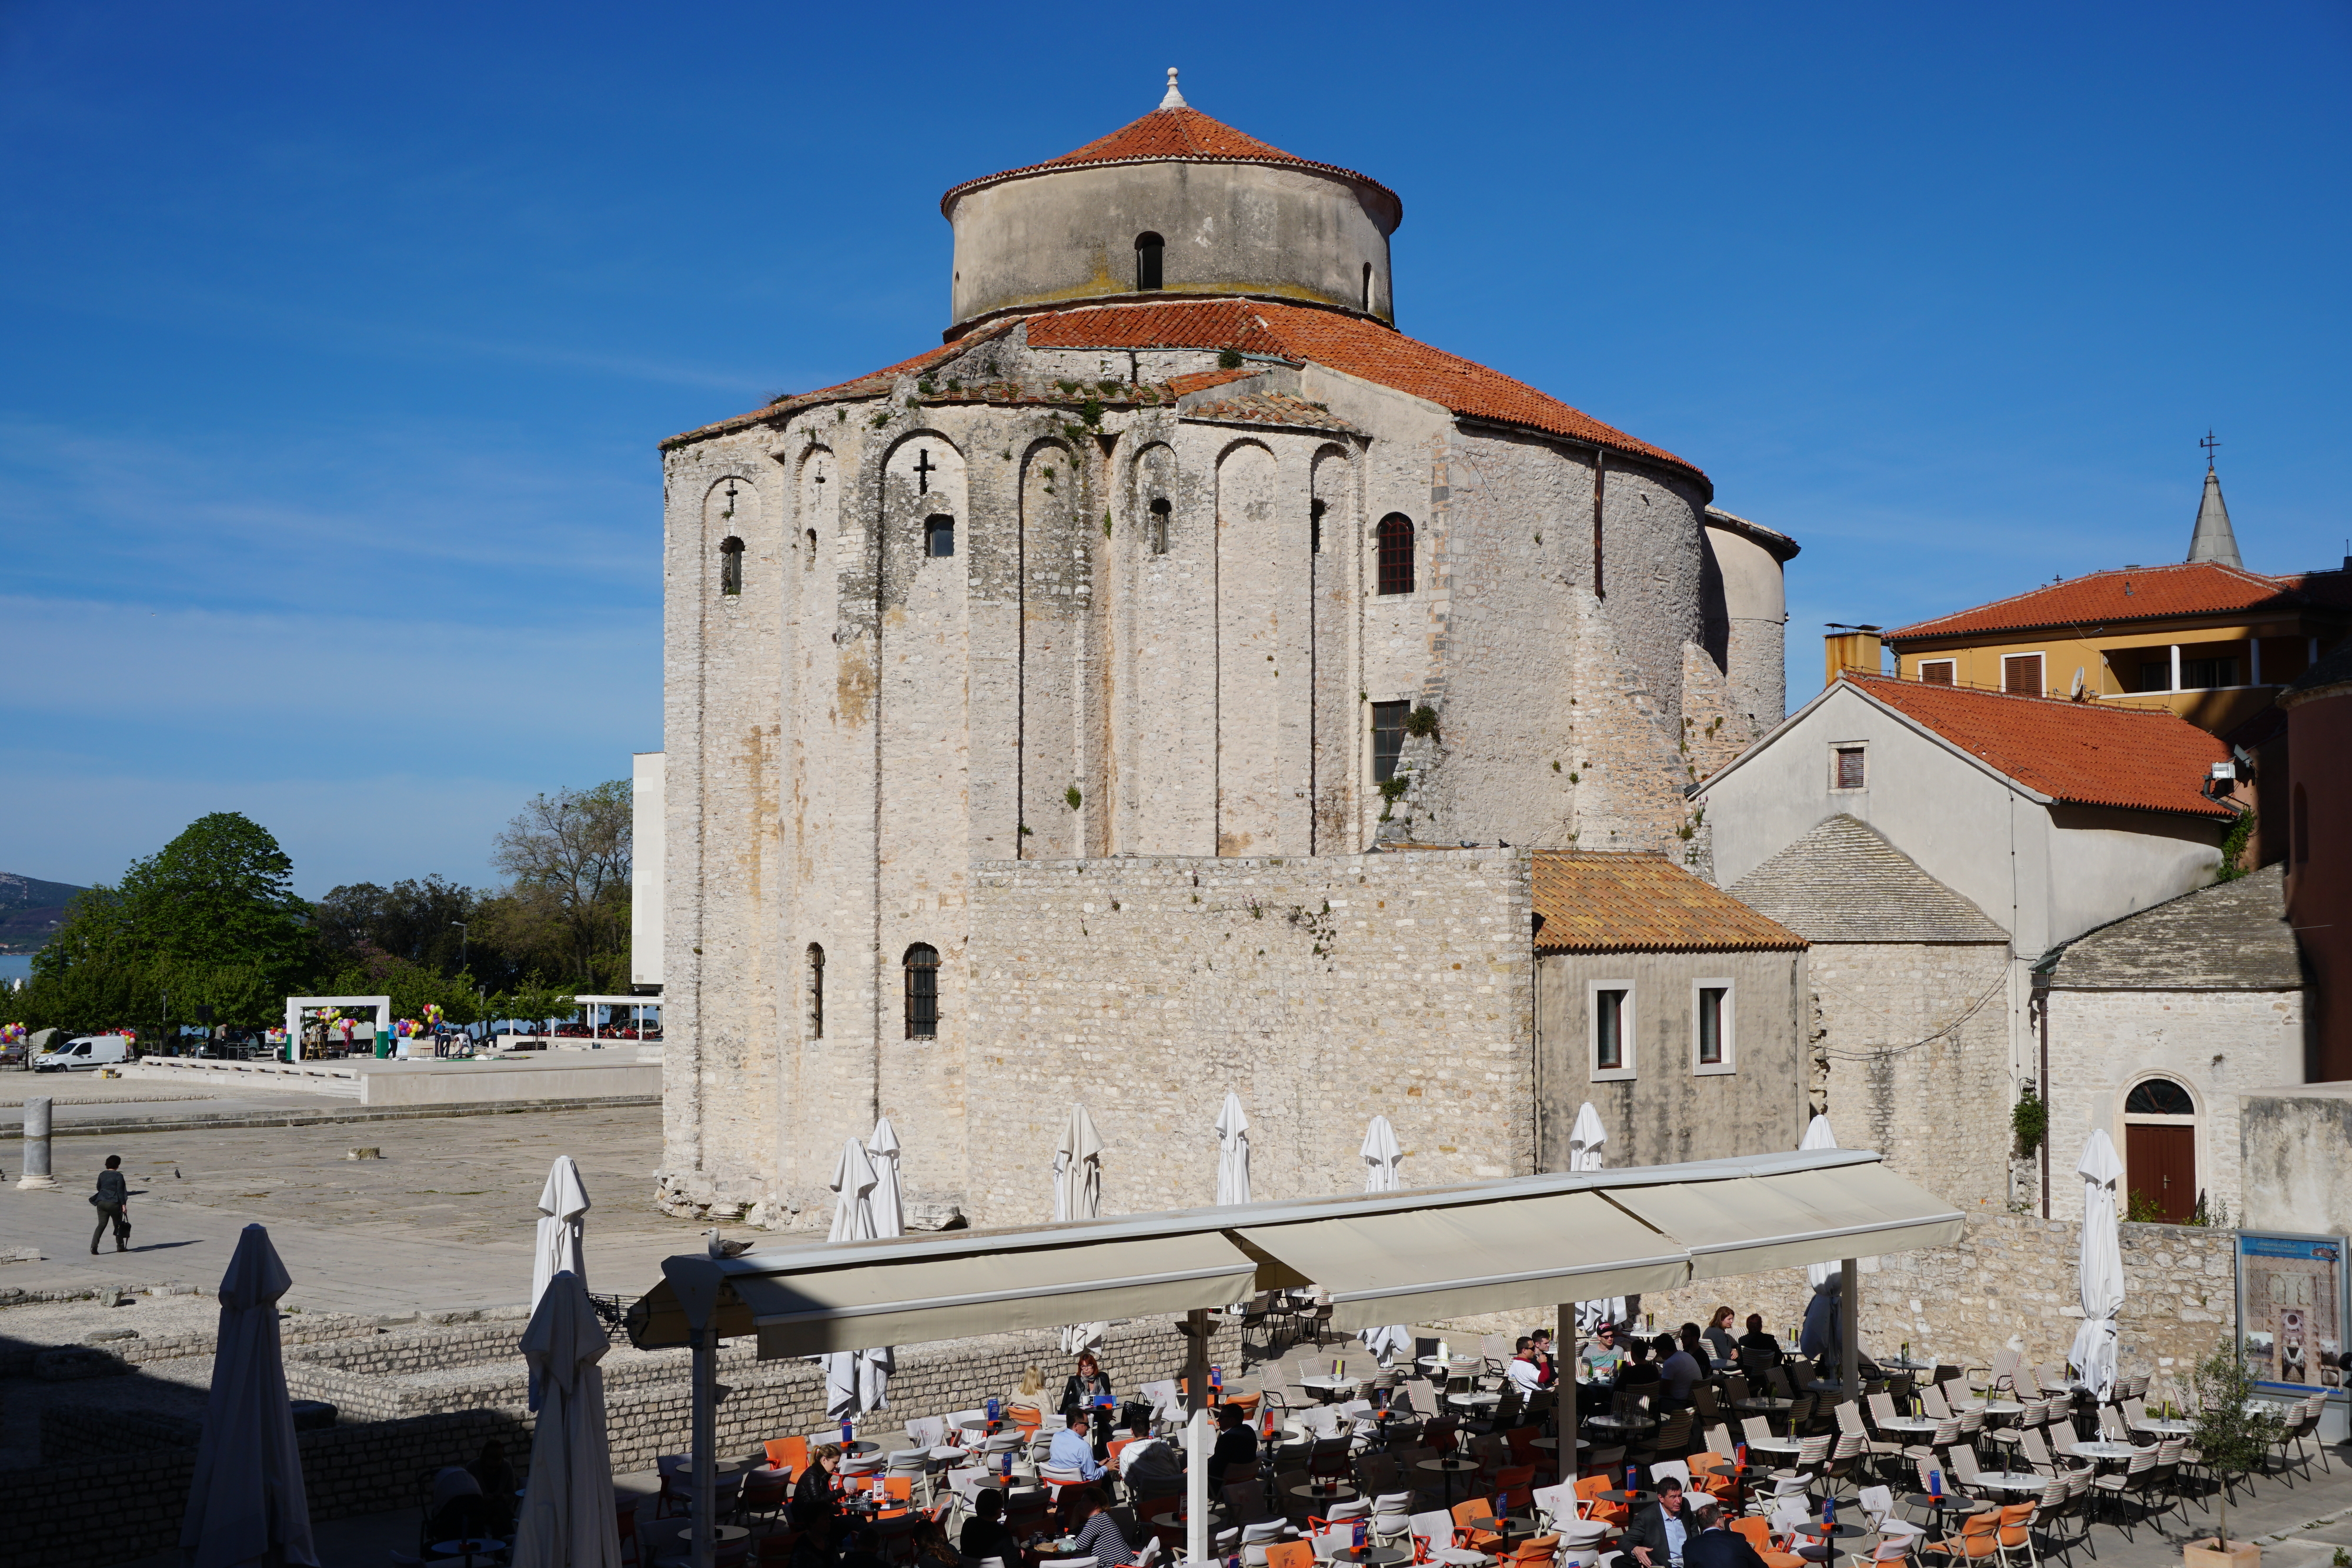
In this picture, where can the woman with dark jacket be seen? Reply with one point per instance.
(1079, 1390)
(815, 1509)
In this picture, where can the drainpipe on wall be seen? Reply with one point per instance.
(2041, 1005)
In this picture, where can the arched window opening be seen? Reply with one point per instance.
(923, 966)
(1148, 249)
(1315, 526)
(1367, 289)
(1396, 553)
(731, 565)
(2159, 1152)
(1159, 525)
(815, 991)
(810, 564)
(938, 536)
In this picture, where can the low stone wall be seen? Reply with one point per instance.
(88, 1512)
(17, 1359)
(2010, 1276)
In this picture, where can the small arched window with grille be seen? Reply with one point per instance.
(1159, 525)
(922, 968)
(2158, 1097)
(1396, 553)
(731, 565)
(815, 991)
(1149, 249)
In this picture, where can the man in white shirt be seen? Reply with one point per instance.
(1147, 1457)
(1525, 1375)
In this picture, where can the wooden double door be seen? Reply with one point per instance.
(2160, 1166)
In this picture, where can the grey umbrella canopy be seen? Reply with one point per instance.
(246, 1498)
(567, 1519)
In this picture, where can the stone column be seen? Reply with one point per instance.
(36, 1174)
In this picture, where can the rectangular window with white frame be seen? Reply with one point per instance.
(1715, 1048)
(1939, 672)
(1849, 766)
(1610, 1006)
(2021, 674)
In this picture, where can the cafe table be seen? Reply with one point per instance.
(1449, 1468)
(2105, 1450)
(2169, 1428)
(720, 1534)
(1841, 1530)
(1511, 1528)
(1372, 1556)
(1622, 1423)
(1325, 1491)
(2012, 1480)
(1907, 1364)
(1061, 1549)
(1920, 1425)
(1328, 1386)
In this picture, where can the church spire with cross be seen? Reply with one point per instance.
(2214, 540)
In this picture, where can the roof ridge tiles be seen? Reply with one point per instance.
(1996, 615)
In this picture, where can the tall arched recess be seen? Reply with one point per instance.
(1261, 655)
(1058, 705)
(1331, 555)
(1166, 656)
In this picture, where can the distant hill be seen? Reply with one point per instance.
(31, 910)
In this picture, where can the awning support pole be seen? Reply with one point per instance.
(1563, 1350)
(1196, 1361)
(706, 1442)
(1196, 1489)
(1849, 1322)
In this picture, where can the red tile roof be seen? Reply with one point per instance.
(2129, 593)
(1595, 901)
(1180, 134)
(1350, 343)
(1293, 332)
(2088, 753)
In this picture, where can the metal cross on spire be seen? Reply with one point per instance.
(2209, 444)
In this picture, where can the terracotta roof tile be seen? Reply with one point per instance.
(1350, 343)
(2129, 593)
(1202, 380)
(1604, 902)
(2087, 753)
(1270, 408)
(1180, 134)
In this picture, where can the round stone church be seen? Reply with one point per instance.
(1173, 571)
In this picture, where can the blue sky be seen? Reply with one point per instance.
(339, 337)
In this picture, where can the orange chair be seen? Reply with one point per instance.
(1522, 1442)
(789, 1455)
(1979, 1538)
(1028, 1417)
(1718, 1487)
(1615, 1515)
(1245, 1403)
(2016, 1531)
(1534, 1553)
(1759, 1535)
(1465, 1534)
(1515, 1489)
(896, 1494)
(1290, 1554)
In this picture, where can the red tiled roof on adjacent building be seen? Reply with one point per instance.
(1351, 343)
(1184, 135)
(2086, 753)
(1599, 901)
(2106, 598)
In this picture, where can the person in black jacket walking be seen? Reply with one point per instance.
(112, 1199)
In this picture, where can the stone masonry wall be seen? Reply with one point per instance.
(1322, 992)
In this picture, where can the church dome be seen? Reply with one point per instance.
(1175, 204)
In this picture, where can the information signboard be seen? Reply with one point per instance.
(2292, 1306)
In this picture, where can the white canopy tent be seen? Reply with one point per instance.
(1506, 1245)
(2099, 1264)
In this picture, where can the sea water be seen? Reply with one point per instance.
(15, 967)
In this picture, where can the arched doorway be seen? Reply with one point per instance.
(2161, 1151)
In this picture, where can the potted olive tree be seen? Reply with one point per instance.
(2232, 1436)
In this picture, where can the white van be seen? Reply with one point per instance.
(85, 1051)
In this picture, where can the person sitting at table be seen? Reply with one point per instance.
(1639, 1369)
(1823, 1341)
(1030, 1390)
(1678, 1368)
(459, 1511)
(1146, 1457)
(1602, 1356)
(1719, 1338)
(1082, 1387)
(985, 1534)
(1073, 1451)
(1547, 1368)
(1099, 1536)
(1525, 1375)
(1236, 1444)
(1715, 1544)
(1763, 1343)
(932, 1548)
(1660, 1531)
(817, 1511)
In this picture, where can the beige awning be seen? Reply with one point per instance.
(1785, 1218)
(1416, 1264)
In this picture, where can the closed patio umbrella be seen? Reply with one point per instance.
(567, 1519)
(1233, 1151)
(560, 1245)
(2100, 1264)
(1585, 1136)
(1819, 1136)
(875, 1362)
(246, 1500)
(853, 1180)
(1380, 1154)
(1077, 1194)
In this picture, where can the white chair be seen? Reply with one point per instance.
(1256, 1537)
(1557, 1505)
(1878, 1502)
(1434, 1532)
(1393, 1518)
(1677, 1469)
(928, 1431)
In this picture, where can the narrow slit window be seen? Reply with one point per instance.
(1609, 1029)
(1710, 1025)
(731, 565)
(1315, 526)
(815, 991)
(938, 536)
(1852, 767)
(1149, 249)
(1159, 525)
(1367, 289)
(810, 564)
(922, 991)
(1388, 739)
(1396, 553)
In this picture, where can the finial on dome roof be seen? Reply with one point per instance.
(1174, 99)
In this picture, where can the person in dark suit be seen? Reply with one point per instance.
(1716, 1545)
(1236, 1444)
(1661, 1533)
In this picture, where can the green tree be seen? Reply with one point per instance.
(2232, 1438)
(567, 855)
